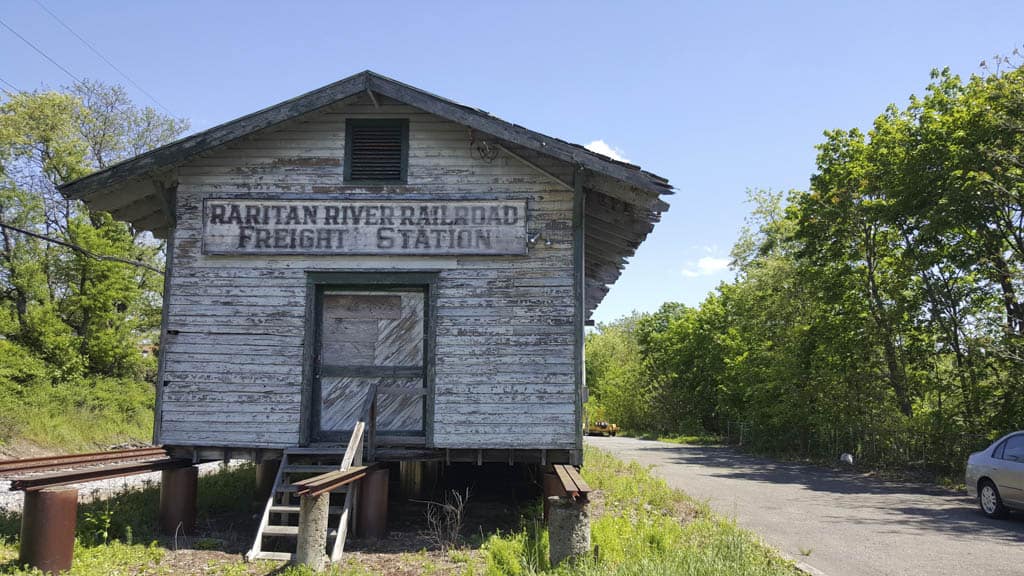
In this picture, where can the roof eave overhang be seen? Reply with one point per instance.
(629, 198)
(181, 150)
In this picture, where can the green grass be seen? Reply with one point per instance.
(119, 535)
(640, 525)
(40, 406)
(645, 528)
(702, 439)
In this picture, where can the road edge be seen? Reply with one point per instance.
(802, 566)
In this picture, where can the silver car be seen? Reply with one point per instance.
(996, 476)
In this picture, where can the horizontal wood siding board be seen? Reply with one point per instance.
(503, 325)
(298, 147)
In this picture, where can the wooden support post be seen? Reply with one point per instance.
(266, 473)
(568, 529)
(372, 508)
(311, 548)
(579, 240)
(48, 529)
(418, 479)
(178, 489)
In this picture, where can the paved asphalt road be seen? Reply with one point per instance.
(853, 526)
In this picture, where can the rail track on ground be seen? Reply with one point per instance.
(48, 471)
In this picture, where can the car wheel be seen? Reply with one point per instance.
(989, 501)
(614, 433)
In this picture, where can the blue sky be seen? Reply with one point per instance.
(718, 97)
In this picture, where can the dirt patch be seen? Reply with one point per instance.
(408, 549)
(23, 449)
(207, 562)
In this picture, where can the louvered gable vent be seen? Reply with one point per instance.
(376, 150)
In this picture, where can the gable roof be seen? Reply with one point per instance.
(626, 199)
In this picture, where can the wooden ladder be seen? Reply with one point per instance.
(281, 513)
(298, 464)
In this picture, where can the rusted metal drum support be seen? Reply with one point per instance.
(372, 507)
(48, 529)
(178, 489)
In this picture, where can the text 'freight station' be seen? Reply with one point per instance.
(364, 227)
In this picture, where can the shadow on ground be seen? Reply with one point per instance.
(919, 505)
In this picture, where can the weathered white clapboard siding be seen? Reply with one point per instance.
(504, 372)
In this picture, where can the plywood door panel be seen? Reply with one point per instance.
(371, 338)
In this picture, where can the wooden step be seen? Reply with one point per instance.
(293, 488)
(300, 468)
(315, 450)
(282, 509)
(272, 530)
(285, 556)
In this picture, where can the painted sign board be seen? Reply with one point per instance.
(397, 227)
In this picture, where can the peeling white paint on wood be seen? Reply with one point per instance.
(504, 322)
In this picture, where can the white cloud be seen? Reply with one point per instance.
(602, 147)
(706, 248)
(706, 266)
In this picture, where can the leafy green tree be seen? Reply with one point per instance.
(618, 389)
(880, 312)
(81, 316)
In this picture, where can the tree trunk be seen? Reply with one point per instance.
(1014, 308)
(877, 306)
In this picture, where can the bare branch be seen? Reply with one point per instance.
(81, 250)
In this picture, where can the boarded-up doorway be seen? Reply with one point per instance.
(370, 337)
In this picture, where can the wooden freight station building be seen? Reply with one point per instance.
(369, 255)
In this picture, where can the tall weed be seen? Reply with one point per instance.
(644, 528)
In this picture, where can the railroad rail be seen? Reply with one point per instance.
(48, 463)
(570, 484)
(331, 481)
(31, 474)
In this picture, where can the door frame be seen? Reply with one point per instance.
(319, 282)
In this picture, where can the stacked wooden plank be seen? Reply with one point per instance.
(331, 481)
(571, 483)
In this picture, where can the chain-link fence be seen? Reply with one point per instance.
(883, 449)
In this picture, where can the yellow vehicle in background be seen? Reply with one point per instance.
(602, 428)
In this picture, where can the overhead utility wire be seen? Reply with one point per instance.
(11, 86)
(81, 250)
(102, 57)
(39, 50)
